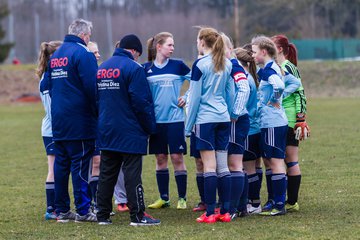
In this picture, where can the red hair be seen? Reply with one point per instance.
(289, 49)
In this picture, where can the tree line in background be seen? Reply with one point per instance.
(44, 20)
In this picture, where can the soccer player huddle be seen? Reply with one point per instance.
(243, 104)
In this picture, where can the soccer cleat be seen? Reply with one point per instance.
(146, 220)
(206, 219)
(181, 204)
(292, 208)
(50, 216)
(274, 212)
(253, 210)
(199, 207)
(226, 217)
(234, 215)
(112, 213)
(66, 217)
(94, 210)
(122, 207)
(89, 217)
(269, 205)
(159, 204)
(244, 213)
(217, 210)
(105, 222)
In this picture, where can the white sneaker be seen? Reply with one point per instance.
(253, 210)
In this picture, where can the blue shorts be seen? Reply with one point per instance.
(168, 137)
(273, 142)
(49, 145)
(238, 133)
(252, 147)
(193, 151)
(212, 136)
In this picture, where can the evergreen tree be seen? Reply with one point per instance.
(5, 47)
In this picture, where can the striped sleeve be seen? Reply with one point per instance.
(291, 84)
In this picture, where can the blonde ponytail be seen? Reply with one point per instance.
(46, 50)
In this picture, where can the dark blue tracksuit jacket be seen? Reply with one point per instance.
(73, 87)
(125, 105)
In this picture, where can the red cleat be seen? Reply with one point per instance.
(226, 217)
(122, 207)
(206, 219)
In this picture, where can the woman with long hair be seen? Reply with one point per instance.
(46, 50)
(211, 99)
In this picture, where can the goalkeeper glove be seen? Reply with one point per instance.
(301, 129)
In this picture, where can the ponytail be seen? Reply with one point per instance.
(246, 59)
(292, 55)
(218, 52)
(289, 49)
(46, 50)
(214, 40)
(151, 49)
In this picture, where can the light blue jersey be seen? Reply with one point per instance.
(270, 91)
(46, 130)
(211, 95)
(251, 106)
(291, 84)
(165, 83)
(242, 89)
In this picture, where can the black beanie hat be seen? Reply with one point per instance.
(131, 41)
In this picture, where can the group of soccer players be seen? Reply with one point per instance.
(242, 105)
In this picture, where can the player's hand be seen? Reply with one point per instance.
(301, 129)
(274, 104)
(181, 102)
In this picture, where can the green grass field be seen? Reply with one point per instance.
(329, 195)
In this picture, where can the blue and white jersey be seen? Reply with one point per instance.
(271, 88)
(211, 96)
(44, 89)
(165, 83)
(252, 106)
(242, 89)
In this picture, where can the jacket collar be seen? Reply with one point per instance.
(73, 38)
(123, 52)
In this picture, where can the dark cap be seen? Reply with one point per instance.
(131, 42)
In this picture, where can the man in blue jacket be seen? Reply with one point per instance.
(73, 112)
(126, 119)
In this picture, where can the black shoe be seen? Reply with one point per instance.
(105, 222)
(147, 220)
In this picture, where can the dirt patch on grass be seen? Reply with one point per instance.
(16, 82)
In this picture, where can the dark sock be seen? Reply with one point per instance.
(279, 189)
(200, 185)
(181, 182)
(162, 177)
(254, 189)
(268, 184)
(50, 196)
(225, 192)
(244, 196)
(293, 188)
(210, 183)
(237, 187)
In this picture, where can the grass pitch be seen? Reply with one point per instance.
(329, 194)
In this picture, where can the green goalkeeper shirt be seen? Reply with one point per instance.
(295, 102)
